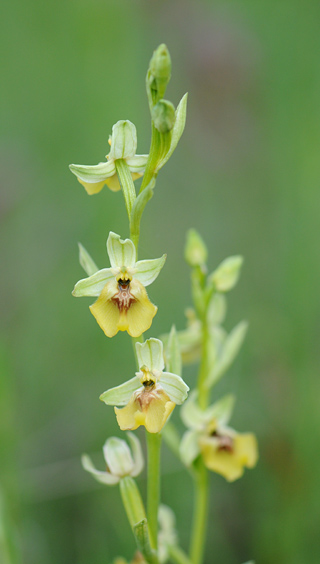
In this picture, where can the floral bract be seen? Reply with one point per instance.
(223, 449)
(123, 146)
(123, 303)
(151, 395)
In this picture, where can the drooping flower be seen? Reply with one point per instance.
(123, 303)
(123, 143)
(149, 397)
(119, 460)
(223, 449)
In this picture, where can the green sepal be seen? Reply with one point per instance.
(175, 387)
(230, 349)
(225, 277)
(123, 140)
(121, 253)
(150, 355)
(93, 173)
(146, 271)
(217, 309)
(120, 395)
(93, 285)
(173, 353)
(87, 263)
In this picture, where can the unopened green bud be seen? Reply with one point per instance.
(195, 251)
(159, 72)
(163, 116)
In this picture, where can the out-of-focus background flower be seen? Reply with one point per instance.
(246, 175)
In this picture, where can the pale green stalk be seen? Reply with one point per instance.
(201, 492)
(177, 555)
(153, 499)
(127, 185)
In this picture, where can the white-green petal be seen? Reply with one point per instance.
(93, 285)
(123, 140)
(189, 447)
(150, 354)
(137, 163)
(121, 253)
(175, 387)
(191, 414)
(118, 457)
(94, 173)
(87, 263)
(103, 477)
(148, 270)
(217, 309)
(137, 455)
(120, 395)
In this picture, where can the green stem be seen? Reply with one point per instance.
(126, 182)
(153, 158)
(203, 372)
(199, 527)
(177, 555)
(154, 444)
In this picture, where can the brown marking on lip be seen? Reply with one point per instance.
(225, 443)
(123, 299)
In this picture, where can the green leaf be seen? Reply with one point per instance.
(120, 395)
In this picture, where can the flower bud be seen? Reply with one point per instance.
(195, 250)
(159, 72)
(163, 116)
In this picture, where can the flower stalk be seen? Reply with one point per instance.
(153, 493)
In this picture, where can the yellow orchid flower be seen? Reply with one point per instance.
(123, 303)
(123, 143)
(223, 449)
(149, 397)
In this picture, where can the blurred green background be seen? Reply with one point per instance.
(246, 175)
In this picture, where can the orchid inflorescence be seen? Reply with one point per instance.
(149, 397)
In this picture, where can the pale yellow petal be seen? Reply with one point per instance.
(113, 183)
(105, 311)
(141, 312)
(226, 463)
(150, 409)
(93, 187)
(129, 417)
(158, 412)
(136, 175)
(246, 448)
